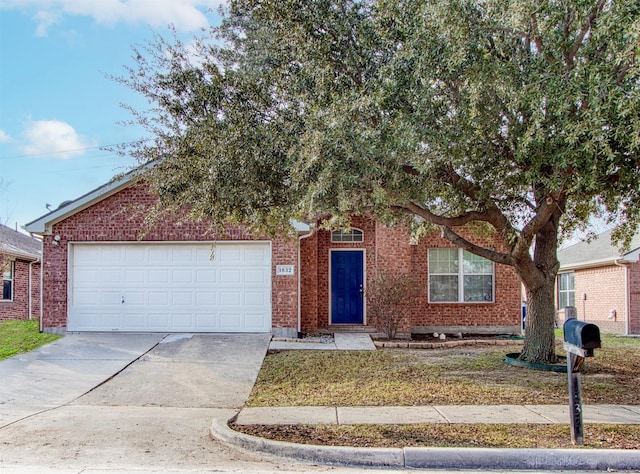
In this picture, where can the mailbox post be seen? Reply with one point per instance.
(580, 339)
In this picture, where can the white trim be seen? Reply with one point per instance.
(310, 232)
(213, 244)
(364, 281)
(347, 241)
(630, 257)
(461, 276)
(43, 224)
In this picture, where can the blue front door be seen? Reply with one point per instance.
(347, 298)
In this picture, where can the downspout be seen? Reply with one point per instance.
(626, 294)
(305, 236)
(30, 285)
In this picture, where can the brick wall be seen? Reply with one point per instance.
(19, 307)
(389, 250)
(634, 298)
(120, 218)
(604, 290)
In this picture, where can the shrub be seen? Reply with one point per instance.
(389, 301)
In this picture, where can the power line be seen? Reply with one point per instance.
(73, 150)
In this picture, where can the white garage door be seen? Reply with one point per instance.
(170, 287)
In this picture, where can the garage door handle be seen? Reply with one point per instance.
(123, 300)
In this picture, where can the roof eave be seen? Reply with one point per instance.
(597, 263)
(43, 225)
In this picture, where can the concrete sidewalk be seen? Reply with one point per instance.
(509, 459)
(339, 342)
(448, 414)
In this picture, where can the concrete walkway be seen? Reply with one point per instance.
(448, 414)
(340, 342)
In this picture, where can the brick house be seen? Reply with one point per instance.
(103, 270)
(602, 283)
(19, 274)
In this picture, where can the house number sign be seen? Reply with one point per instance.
(284, 270)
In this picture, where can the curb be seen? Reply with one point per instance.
(383, 458)
(435, 458)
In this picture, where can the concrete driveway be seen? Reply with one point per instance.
(124, 402)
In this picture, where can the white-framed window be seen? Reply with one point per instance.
(352, 235)
(7, 281)
(458, 276)
(566, 290)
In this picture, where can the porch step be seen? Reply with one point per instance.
(348, 328)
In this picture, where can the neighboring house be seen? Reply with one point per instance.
(19, 274)
(103, 273)
(602, 283)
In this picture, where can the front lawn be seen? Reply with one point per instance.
(17, 337)
(455, 376)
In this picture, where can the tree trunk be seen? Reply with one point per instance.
(539, 343)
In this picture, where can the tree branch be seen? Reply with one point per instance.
(458, 221)
(493, 255)
(583, 32)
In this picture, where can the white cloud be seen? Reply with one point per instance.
(4, 136)
(45, 19)
(54, 138)
(185, 15)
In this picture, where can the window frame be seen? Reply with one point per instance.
(569, 292)
(12, 272)
(460, 275)
(354, 235)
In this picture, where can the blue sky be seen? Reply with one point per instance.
(57, 107)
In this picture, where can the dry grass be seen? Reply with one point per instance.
(463, 436)
(456, 376)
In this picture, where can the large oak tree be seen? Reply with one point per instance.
(520, 117)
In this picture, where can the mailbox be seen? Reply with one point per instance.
(581, 338)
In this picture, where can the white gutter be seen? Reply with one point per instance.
(594, 263)
(30, 285)
(310, 232)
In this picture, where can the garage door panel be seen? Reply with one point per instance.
(207, 322)
(181, 277)
(158, 321)
(134, 298)
(181, 299)
(158, 276)
(87, 298)
(254, 321)
(256, 298)
(135, 321)
(158, 298)
(109, 298)
(134, 276)
(231, 322)
(206, 298)
(170, 288)
(96, 321)
(227, 254)
(230, 277)
(205, 276)
(107, 277)
(134, 254)
(158, 254)
(230, 298)
(255, 277)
